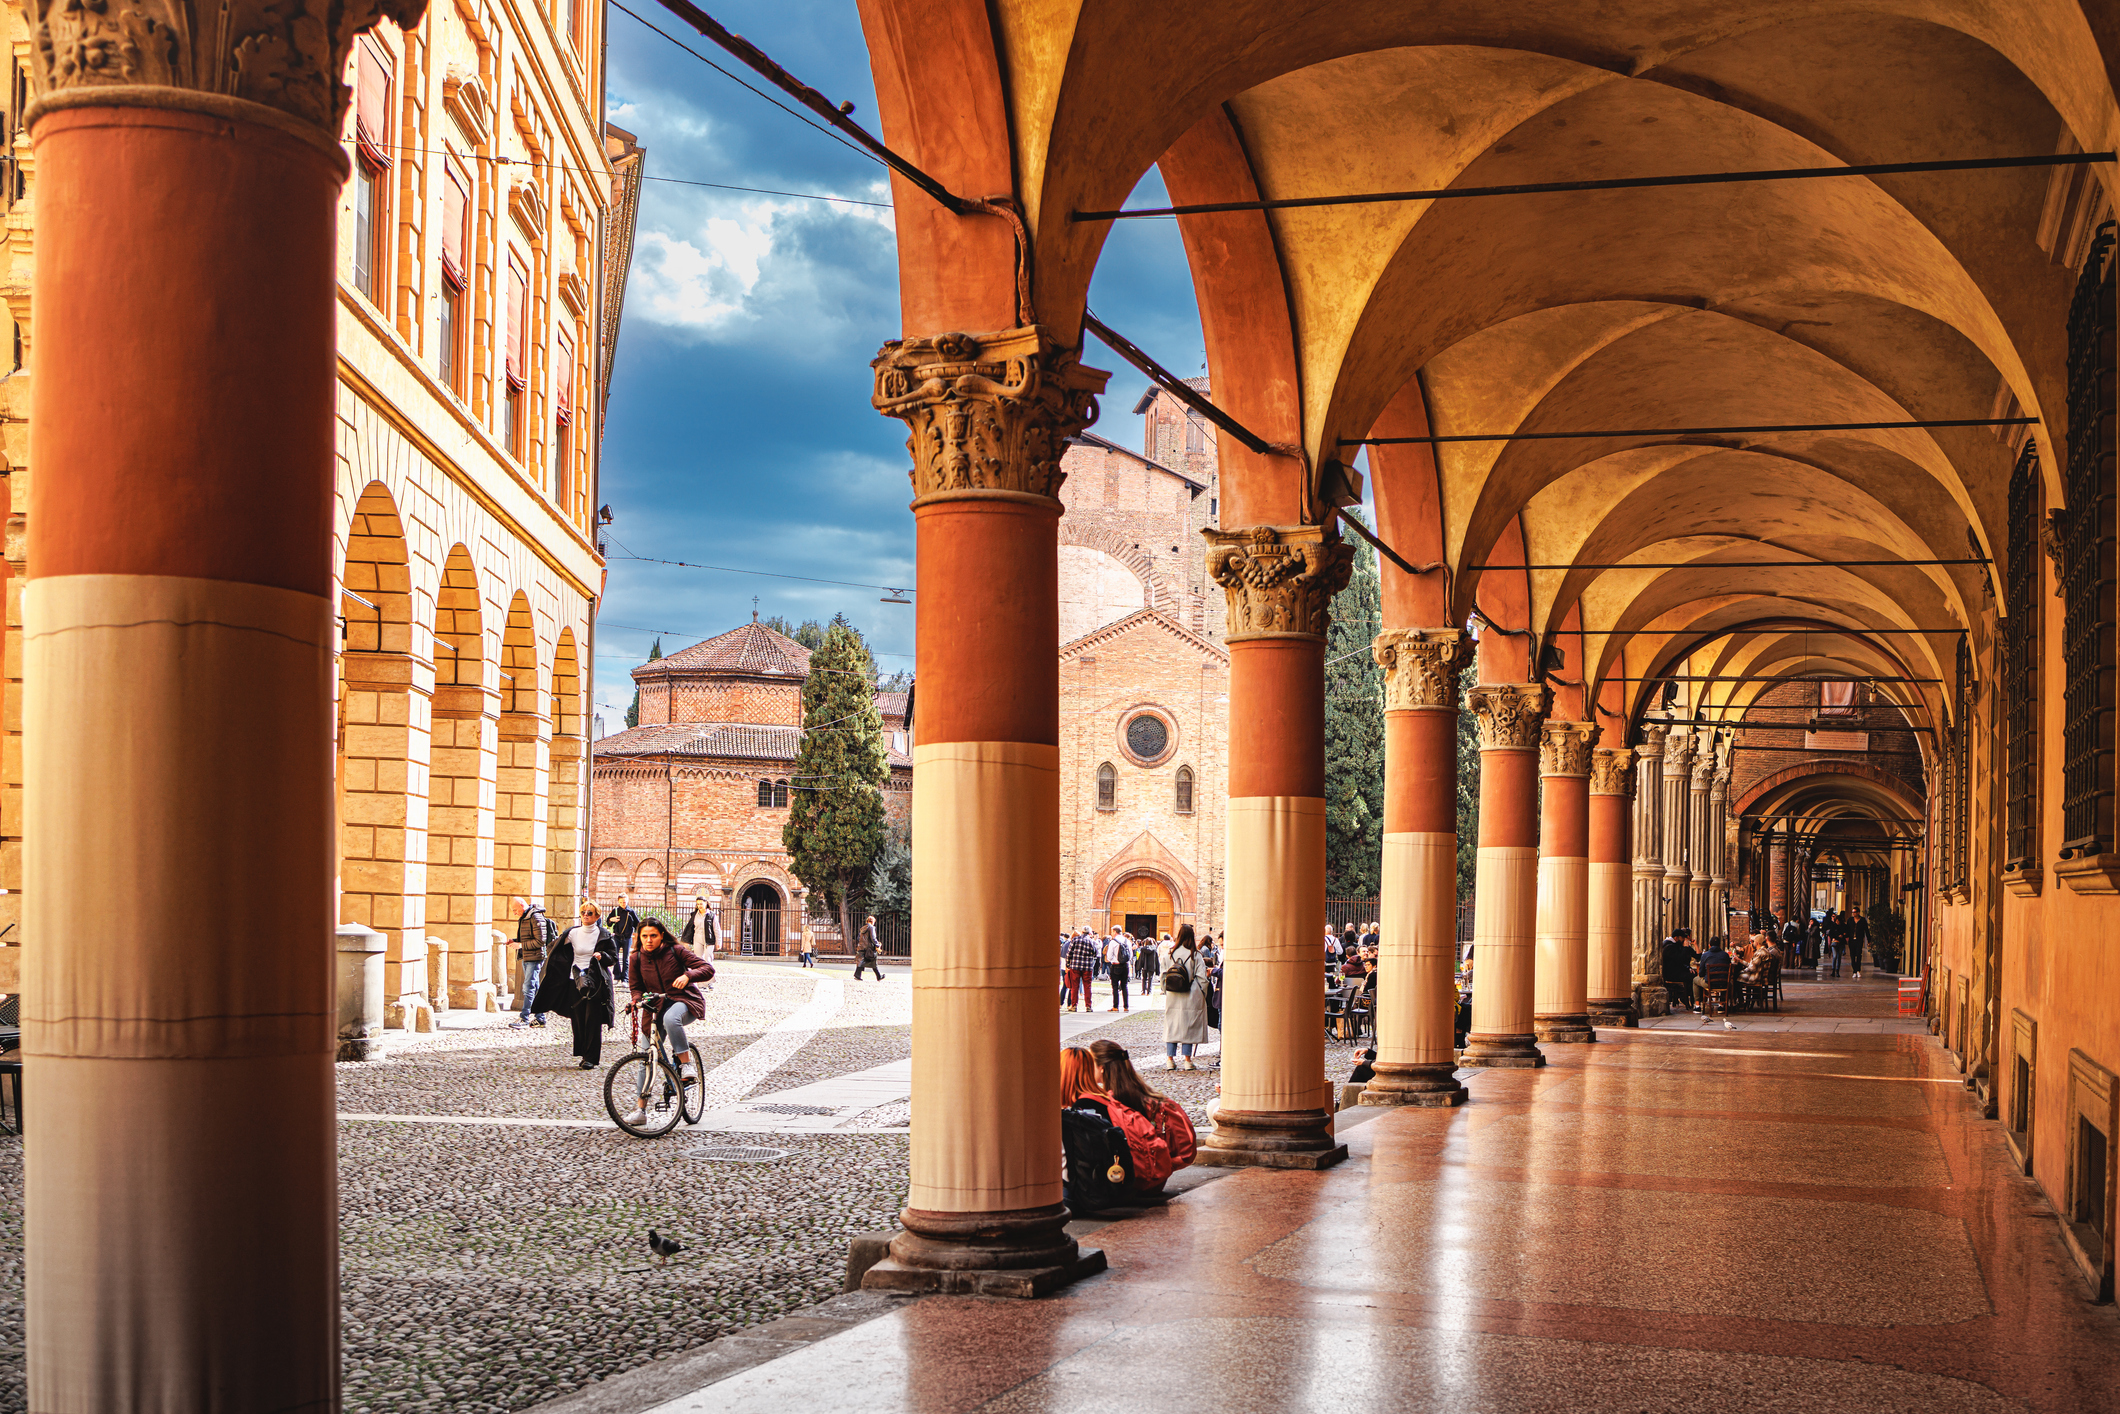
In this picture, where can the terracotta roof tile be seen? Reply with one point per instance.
(751, 649)
(734, 741)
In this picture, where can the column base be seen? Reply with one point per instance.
(1615, 1012)
(1569, 1030)
(1500, 1052)
(1652, 999)
(1272, 1139)
(1434, 1085)
(409, 1013)
(1023, 1253)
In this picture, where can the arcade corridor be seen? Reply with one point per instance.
(1655, 1222)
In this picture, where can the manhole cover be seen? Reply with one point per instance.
(736, 1153)
(791, 1109)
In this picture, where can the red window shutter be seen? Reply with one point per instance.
(371, 107)
(518, 291)
(456, 208)
(564, 376)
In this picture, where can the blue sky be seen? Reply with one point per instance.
(740, 432)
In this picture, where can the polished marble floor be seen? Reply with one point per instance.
(1657, 1222)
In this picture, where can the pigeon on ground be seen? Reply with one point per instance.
(664, 1247)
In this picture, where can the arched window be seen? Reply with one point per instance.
(765, 794)
(780, 795)
(1185, 789)
(1107, 787)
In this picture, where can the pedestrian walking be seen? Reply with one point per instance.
(1185, 983)
(700, 934)
(577, 984)
(866, 950)
(1080, 960)
(1857, 929)
(1119, 966)
(534, 935)
(623, 923)
(809, 943)
(1148, 961)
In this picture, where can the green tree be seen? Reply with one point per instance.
(1354, 734)
(891, 874)
(809, 633)
(835, 806)
(1468, 788)
(633, 712)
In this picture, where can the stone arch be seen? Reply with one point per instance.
(459, 624)
(566, 702)
(520, 695)
(610, 880)
(699, 876)
(1882, 780)
(1158, 591)
(648, 891)
(379, 569)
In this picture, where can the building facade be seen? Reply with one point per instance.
(691, 803)
(481, 241)
(1144, 680)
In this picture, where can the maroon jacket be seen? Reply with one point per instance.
(675, 971)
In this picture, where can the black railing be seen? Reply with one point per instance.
(2087, 564)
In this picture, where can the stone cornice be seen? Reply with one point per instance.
(1280, 579)
(1612, 771)
(1508, 716)
(989, 414)
(284, 55)
(1421, 667)
(1564, 748)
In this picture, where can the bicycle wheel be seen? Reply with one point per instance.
(643, 1080)
(696, 1091)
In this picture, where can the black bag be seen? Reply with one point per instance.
(1099, 1163)
(1178, 978)
(1214, 1005)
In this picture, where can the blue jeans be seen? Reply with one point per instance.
(1171, 1049)
(674, 1018)
(532, 971)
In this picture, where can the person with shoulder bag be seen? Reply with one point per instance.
(1185, 1001)
(1115, 1067)
(534, 934)
(1150, 1164)
(578, 984)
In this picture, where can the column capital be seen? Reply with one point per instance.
(1421, 667)
(1652, 742)
(1704, 770)
(1678, 754)
(1508, 715)
(1280, 579)
(1612, 771)
(282, 55)
(990, 414)
(1564, 748)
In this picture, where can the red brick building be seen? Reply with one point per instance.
(1144, 679)
(691, 802)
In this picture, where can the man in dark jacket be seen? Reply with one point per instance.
(866, 949)
(623, 923)
(1716, 958)
(1678, 960)
(1856, 929)
(533, 934)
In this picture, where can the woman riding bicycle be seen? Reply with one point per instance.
(662, 964)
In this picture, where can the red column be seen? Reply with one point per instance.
(1560, 1010)
(1277, 1102)
(1417, 954)
(1505, 896)
(182, 1191)
(1611, 981)
(984, 1211)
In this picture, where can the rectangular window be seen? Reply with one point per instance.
(456, 216)
(2023, 1109)
(2020, 668)
(574, 23)
(2088, 1185)
(2087, 564)
(516, 359)
(562, 418)
(371, 197)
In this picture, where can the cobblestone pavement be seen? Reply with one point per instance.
(491, 1266)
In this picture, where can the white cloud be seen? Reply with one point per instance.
(702, 284)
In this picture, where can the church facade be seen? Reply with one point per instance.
(1144, 680)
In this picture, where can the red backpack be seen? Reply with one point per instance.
(1175, 1126)
(1152, 1159)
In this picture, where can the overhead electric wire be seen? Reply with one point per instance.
(1694, 431)
(769, 574)
(500, 159)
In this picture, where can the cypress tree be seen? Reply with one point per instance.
(1354, 734)
(633, 712)
(1468, 786)
(835, 801)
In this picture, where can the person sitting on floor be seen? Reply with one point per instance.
(1157, 1128)
(1365, 1067)
(1096, 1157)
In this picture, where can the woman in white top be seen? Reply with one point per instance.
(577, 984)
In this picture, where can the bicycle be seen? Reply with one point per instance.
(651, 1078)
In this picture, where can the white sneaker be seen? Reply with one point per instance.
(639, 1117)
(688, 1073)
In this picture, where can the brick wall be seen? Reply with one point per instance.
(720, 698)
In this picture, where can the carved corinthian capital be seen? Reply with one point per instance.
(1508, 716)
(1421, 667)
(1678, 754)
(285, 54)
(1279, 578)
(1564, 748)
(989, 413)
(1612, 771)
